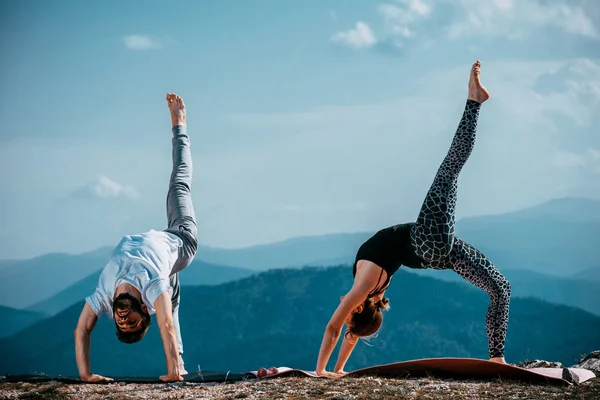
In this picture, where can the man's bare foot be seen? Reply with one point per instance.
(477, 91)
(177, 108)
(499, 360)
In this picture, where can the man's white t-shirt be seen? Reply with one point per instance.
(144, 261)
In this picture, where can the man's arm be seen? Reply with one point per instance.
(85, 326)
(175, 300)
(164, 316)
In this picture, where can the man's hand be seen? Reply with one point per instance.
(164, 317)
(85, 325)
(93, 378)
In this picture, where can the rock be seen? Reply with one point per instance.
(540, 364)
(590, 362)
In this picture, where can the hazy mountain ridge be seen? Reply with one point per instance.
(197, 273)
(14, 320)
(555, 238)
(278, 318)
(579, 293)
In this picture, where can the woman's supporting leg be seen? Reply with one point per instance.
(475, 267)
(433, 234)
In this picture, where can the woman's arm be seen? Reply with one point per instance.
(347, 346)
(351, 301)
(364, 282)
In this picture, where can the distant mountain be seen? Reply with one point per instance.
(583, 294)
(197, 273)
(278, 318)
(573, 209)
(25, 282)
(295, 252)
(559, 237)
(590, 274)
(14, 320)
(555, 238)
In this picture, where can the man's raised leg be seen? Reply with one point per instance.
(180, 210)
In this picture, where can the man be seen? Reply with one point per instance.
(141, 277)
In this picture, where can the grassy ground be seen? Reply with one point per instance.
(298, 388)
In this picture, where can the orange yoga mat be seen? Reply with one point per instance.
(457, 368)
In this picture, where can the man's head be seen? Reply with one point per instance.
(131, 318)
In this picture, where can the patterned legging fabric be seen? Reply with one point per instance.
(433, 235)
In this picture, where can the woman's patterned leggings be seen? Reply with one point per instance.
(434, 241)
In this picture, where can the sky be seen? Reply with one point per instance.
(306, 117)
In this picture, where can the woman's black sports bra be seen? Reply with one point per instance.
(390, 248)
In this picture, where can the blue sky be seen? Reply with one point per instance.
(306, 117)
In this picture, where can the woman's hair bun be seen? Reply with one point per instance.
(383, 303)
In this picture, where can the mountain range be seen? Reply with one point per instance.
(547, 251)
(197, 273)
(278, 317)
(14, 320)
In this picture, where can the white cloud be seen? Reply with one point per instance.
(407, 20)
(521, 147)
(577, 82)
(141, 42)
(333, 15)
(517, 20)
(400, 17)
(567, 159)
(593, 153)
(323, 207)
(360, 37)
(106, 188)
(588, 160)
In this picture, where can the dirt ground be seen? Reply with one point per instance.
(299, 388)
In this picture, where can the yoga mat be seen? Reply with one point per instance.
(457, 368)
(448, 368)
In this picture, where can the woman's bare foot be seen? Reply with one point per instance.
(262, 372)
(499, 360)
(477, 91)
(177, 108)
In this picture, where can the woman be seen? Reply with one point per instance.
(427, 243)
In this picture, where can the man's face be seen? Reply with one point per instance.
(127, 315)
(128, 320)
